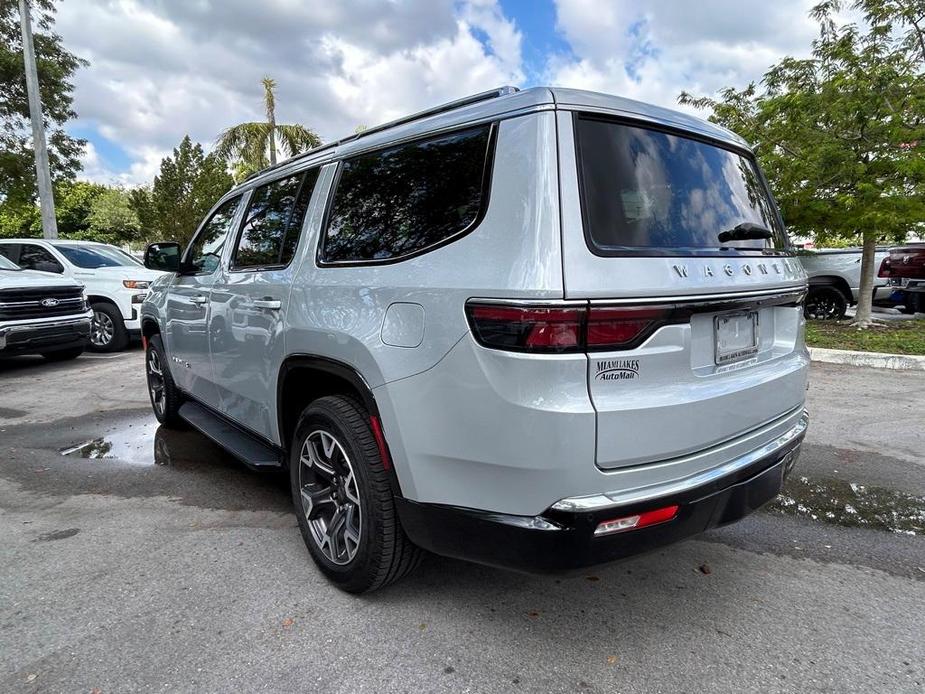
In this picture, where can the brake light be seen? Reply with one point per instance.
(640, 520)
(563, 329)
(885, 268)
(527, 329)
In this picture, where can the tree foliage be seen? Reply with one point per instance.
(56, 67)
(188, 184)
(253, 146)
(841, 134)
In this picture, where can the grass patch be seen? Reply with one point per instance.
(892, 337)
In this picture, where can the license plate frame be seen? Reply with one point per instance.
(735, 337)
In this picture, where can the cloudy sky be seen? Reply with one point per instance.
(160, 69)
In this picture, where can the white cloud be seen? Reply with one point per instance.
(162, 69)
(653, 51)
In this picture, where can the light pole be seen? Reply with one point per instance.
(46, 198)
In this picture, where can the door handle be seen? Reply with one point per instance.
(199, 300)
(272, 304)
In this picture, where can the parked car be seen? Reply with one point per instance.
(116, 283)
(537, 329)
(41, 314)
(904, 268)
(835, 280)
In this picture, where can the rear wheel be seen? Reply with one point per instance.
(343, 499)
(165, 397)
(825, 303)
(107, 331)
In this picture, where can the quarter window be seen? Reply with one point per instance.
(402, 200)
(205, 252)
(273, 222)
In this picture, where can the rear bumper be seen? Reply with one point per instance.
(562, 538)
(44, 336)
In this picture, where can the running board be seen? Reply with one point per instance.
(246, 447)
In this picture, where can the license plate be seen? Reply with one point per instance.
(736, 336)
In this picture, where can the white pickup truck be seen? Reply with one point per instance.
(41, 314)
(835, 278)
(116, 283)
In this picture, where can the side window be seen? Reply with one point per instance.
(32, 257)
(10, 251)
(406, 198)
(205, 252)
(273, 222)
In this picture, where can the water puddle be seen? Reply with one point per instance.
(135, 444)
(852, 505)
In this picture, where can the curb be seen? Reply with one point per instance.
(874, 360)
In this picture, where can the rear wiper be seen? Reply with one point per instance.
(746, 231)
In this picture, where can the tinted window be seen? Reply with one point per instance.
(273, 222)
(205, 252)
(9, 251)
(92, 257)
(5, 263)
(403, 199)
(33, 257)
(643, 189)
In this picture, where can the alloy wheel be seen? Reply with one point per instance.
(330, 497)
(822, 308)
(102, 329)
(156, 381)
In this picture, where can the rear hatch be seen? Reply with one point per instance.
(694, 325)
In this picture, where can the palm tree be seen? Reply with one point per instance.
(254, 145)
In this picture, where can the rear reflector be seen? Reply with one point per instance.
(641, 520)
(383, 447)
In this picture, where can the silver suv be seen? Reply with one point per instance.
(537, 329)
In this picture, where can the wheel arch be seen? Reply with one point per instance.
(839, 283)
(305, 377)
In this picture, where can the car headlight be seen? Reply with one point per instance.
(135, 284)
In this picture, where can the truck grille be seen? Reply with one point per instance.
(27, 304)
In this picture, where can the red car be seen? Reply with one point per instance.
(905, 268)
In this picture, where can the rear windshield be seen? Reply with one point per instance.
(649, 192)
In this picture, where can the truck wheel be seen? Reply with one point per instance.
(107, 332)
(165, 397)
(825, 303)
(343, 499)
(64, 354)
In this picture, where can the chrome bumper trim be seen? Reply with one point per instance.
(605, 500)
(83, 321)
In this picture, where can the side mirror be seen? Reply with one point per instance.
(163, 256)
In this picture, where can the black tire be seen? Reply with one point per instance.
(824, 302)
(64, 354)
(107, 332)
(382, 553)
(165, 397)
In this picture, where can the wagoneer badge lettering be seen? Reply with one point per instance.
(683, 272)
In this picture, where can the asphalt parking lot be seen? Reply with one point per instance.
(147, 559)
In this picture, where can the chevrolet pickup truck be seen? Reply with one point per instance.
(42, 314)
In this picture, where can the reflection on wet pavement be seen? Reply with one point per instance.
(853, 505)
(132, 444)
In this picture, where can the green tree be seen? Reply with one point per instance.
(187, 186)
(250, 147)
(112, 218)
(56, 67)
(841, 135)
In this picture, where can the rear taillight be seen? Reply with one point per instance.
(561, 329)
(885, 268)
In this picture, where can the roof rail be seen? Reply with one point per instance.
(442, 108)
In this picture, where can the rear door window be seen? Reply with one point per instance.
(273, 222)
(409, 198)
(650, 192)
